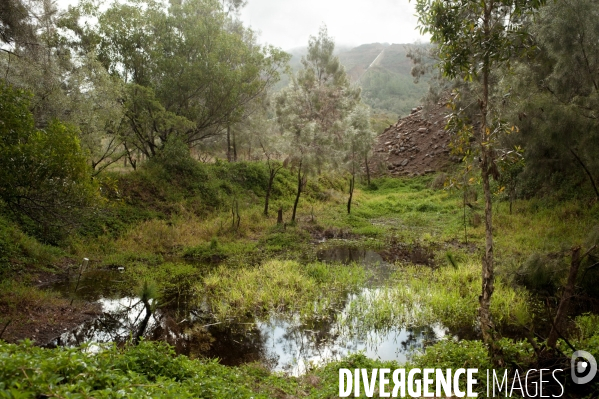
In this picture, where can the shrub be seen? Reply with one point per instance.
(18, 250)
(45, 181)
(542, 272)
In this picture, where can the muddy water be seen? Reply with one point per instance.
(284, 343)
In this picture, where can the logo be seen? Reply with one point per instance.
(583, 367)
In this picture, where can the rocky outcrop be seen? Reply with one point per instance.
(417, 144)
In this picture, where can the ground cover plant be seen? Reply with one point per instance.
(264, 268)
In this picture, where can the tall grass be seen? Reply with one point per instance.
(421, 296)
(278, 285)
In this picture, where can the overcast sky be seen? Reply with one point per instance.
(289, 23)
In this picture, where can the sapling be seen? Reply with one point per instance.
(82, 267)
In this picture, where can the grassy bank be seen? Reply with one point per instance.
(172, 226)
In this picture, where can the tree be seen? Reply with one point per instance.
(556, 97)
(271, 144)
(198, 64)
(359, 140)
(95, 103)
(75, 89)
(14, 23)
(312, 109)
(44, 177)
(149, 125)
(37, 63)
(475, 36)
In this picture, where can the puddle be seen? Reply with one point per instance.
(93, 285)
(282, 343)
(293, 347)
(119, 321)
(372, 261)
(349, 254)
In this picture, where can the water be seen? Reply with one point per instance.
(292, 347)
(283, 343)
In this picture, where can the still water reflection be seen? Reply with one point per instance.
(284, 343)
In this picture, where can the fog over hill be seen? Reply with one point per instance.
(383, 72)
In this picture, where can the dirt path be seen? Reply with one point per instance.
(377, 60)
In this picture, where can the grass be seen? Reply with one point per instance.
(389, 211)
(20, 252)
(419, 296)
(177, 232)
(278, 286)
(16, 297)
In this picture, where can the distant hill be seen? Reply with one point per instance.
(383, 72)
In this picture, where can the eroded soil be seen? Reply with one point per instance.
(417, 144)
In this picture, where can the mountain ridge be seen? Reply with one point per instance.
(383, 71)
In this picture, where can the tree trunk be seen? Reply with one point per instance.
(464, 209)
(512, 197)
(299, 191)
(234, 148)
(367, 169)
(235, 214)
(271, 179)
(280, 216)
(562, 308)
(488, 273)
(228, 144)
(351, 193)
(132, 162)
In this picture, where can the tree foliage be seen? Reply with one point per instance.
(44, 176)
(191, 59)
(556, 97)
(359, 140)
(312, 109)
(474, 37)
(14, 22)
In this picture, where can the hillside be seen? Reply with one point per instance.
(416, 145)
(383, 72)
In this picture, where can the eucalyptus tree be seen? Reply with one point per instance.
(95, 104)
(188, 58)
(74, 88)
(474, 37)
(271, 147)
(36, 59)
(312, 109)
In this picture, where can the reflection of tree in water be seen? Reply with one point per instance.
(418, 338)
(298, 339)
(342, 254)
(312, 337)
(239, 343)
(117, 324)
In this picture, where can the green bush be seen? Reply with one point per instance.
(150, 369)
(543, 272)
(45, 181)
(18, 250)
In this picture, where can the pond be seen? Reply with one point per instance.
(281, 342)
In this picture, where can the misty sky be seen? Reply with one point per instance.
(289, 23)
